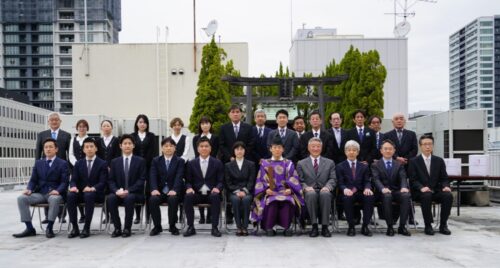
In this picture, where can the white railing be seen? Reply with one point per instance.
(15, 171)
(494, 169)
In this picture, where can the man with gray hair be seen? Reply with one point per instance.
(317, 175)
(260, 133)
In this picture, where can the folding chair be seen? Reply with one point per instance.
(46, 205)
(103, 212)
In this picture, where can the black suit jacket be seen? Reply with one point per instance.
(326, 139)
(227, 139)
(346, 181)
(394, 181)
(158, 175)
(214, 176)
(408, 148)
(97, 178)
(261, 148)
(240, 180)
(147, 148)
(110, 152)
(419, 178)
(291, 144)
(377, 155)
(368, 146)
(338, 154)
(137, 175)
(63, 140)
(214, 140)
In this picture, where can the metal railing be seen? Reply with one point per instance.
(494, 169)
(15, 171)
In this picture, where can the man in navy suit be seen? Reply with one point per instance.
(235, 131)
(364, 136)
(354, 182)
(127, 175)
(391, 182)
(87, 185)
(166, 182)
(288, 137)
(316, 131)
(260, 132)
(48, 184)
(204, 184)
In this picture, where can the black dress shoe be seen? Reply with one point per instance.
(85, 233)
(190, 231)
(403, 231)
(45, 221)
(325, 232)
(244, 232)
(428, 230)
(288, 232)
(314, 232)
(412, 222)
(116, 233)
(155, 231)
(216, 232)
(63, 220)
(390, 231)
(270, 232)
(137, 220)
(366, 231)
(74, 233)
(444, 230)
(82, 219)
(173, 230)
(201, 221)
(351, 231)
(27, 232)
(126, 233)
(49, 233)
(239, 232)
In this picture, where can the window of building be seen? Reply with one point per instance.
(46, 61)
(11, 50)
(65, 61)
(66, 72)
(12, 84)
(486, 31)
(66, 84)
(65, 50)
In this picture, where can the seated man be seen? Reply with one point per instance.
(166, 182)
(204, 183)
(278, 194)
(355, 186)
(48, 184)
(318, 178)
(429, 182)
(90, 175)
(127, 175)
(390, 180)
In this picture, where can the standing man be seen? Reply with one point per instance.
(374, 123)
(235, 131)
(48, 184)
(429, 182)
(316, 131)
(289, 138)
(339, 138)
(299, 125)
(317, 175)
(260, 132)
(364, 136)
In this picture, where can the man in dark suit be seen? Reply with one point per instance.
(87, 185)
(260, 132)
(204, 184)
(235, 131)
(391, 182)
(355, 186)
(62, 137)
(339, 138)
(48, 184)
(166, 182)
(364, 136)
(127, 176)
(288, 137)
(316, 131)
(429, 182)
(318, 178)
(299, 125)
(374, 123)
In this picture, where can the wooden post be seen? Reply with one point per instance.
(321, 101)
(249, 116)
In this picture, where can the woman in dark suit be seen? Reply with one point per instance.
(205, 130)
(109, 147)
(239, 176)
(146, 146)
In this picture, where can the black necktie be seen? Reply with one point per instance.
(126, 172)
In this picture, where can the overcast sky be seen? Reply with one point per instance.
(266, 26)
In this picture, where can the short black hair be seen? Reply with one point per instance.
(281, 111)
(361, 111)
(146, 120)
(373, 117)
(388, 141)
(204, 119)
(425, 136)
(203, 139)
(50, 140)
(315, 112)
(298, 117)
(106, 120)
(90, 140)
(127, 136)
(239, 144)
(168, 140)
(276, 141)
(234, 107)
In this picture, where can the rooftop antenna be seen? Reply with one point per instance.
(402, 28)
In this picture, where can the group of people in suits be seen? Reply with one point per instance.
(270, 177)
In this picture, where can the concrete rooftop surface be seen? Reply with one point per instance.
(475, 242)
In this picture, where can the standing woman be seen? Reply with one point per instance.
(146, 146)
(182, 141)
(109, 147)
(76, 152)
(205, 130)
(239, 175)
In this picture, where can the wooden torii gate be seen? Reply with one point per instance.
(286, 86)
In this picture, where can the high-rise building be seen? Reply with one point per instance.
(36, 38)
(475, 67)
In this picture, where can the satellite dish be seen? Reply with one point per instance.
(402, 29)
(211, 28)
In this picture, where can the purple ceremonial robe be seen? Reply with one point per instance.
(285, 177)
